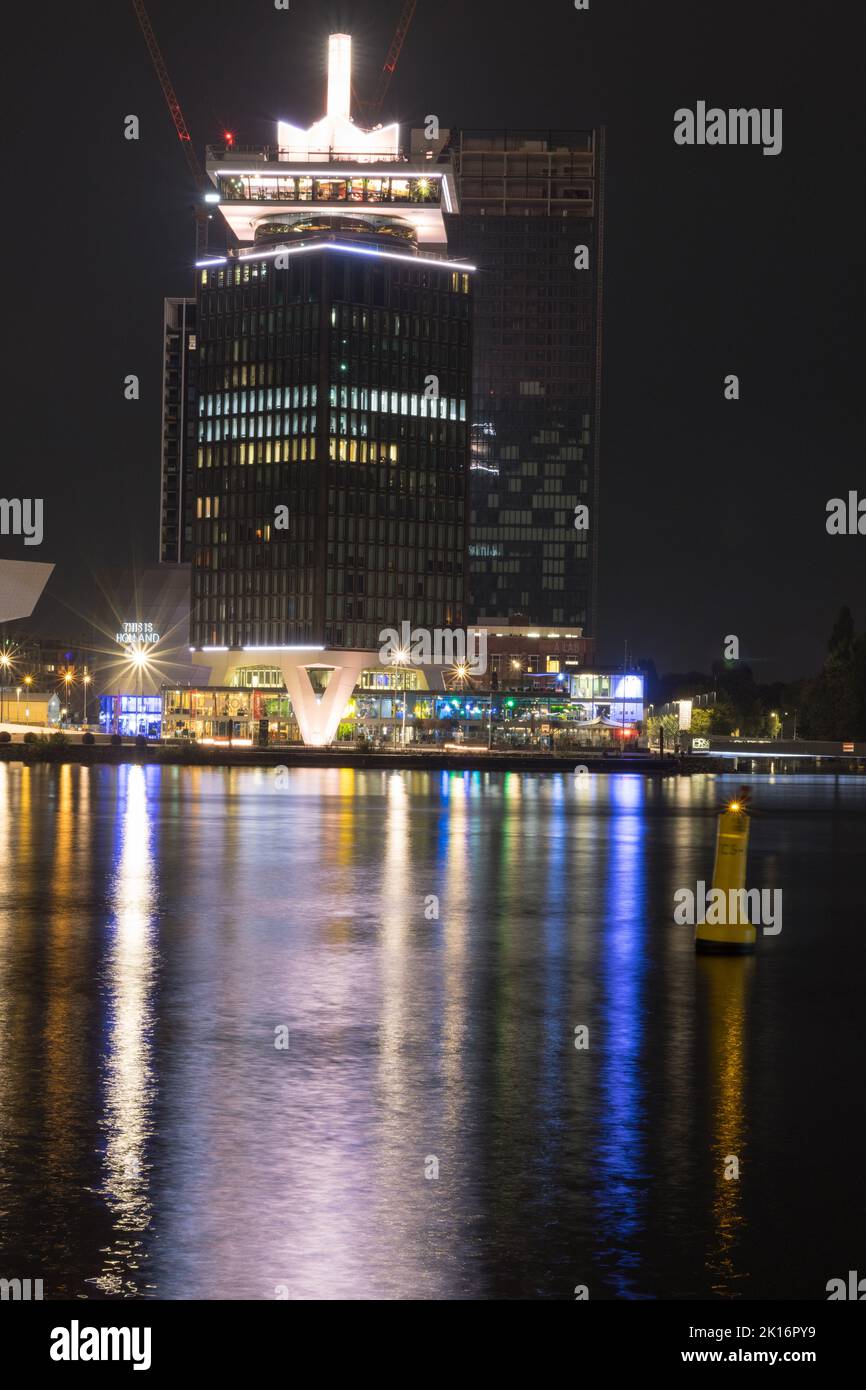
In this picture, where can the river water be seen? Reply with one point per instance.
(312, 1035)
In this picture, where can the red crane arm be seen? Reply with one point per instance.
(168, 90)
(375, 106)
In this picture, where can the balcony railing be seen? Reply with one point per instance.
(273, 154)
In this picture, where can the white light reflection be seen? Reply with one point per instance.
(129, 1074)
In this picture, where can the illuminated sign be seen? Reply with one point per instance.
(628, 688)
(137, 634)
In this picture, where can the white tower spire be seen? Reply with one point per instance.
(339, 77)
(336, 131)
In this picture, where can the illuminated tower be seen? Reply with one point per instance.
(331, 479)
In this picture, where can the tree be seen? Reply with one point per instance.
(833, 704)
(841, 643)
(724, 717)
(702, 722)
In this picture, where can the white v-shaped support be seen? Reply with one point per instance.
(318, 716)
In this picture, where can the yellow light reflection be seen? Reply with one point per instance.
(725, 983)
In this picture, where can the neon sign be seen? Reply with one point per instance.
(139, 634)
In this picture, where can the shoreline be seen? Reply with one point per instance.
(158, 755)
(452, 760)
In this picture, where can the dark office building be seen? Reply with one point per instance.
(334, 382)
(312, 398)
(529, 200)
(180, 389)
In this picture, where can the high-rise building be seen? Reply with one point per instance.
(531, 217)
(179, 395)
(333, 429)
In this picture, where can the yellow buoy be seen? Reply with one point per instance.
(736, 935)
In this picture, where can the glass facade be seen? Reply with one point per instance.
(180, 388)
(131, 715)
(333, 426)
(363, 190)
(224, 714)
(529, 201)
(254, 711)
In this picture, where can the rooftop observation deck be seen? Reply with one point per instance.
(254, 180)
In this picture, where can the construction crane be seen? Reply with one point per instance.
(202, 183)
(371, 109)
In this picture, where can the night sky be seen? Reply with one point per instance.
(718, 260)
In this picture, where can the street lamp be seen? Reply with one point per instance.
(5, 663)
(400, 658)
(86, 681)
(68, 676)
(139, 659)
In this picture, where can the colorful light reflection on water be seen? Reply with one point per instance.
(430, 941)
